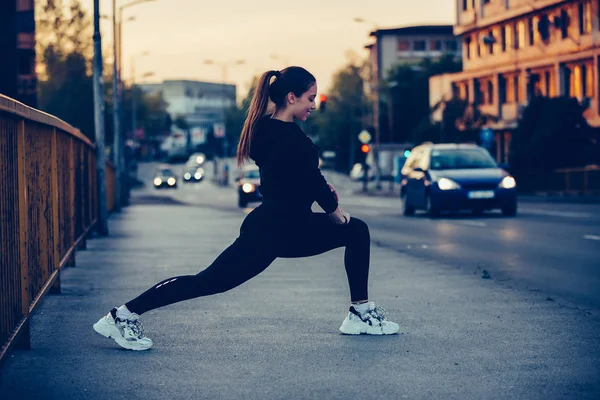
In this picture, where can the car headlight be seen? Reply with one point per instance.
(187, 176)
(508, 182)
(157, 181)
(447, 184)
(199, 159)
(198, 175)
(248, 188)
(171, 181)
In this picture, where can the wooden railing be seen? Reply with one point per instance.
(48, 206)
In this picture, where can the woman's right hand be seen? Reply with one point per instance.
(339, 217)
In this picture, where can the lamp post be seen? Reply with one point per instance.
(376, 105)
(102, 227)
(133, 92)
(118, 142)
(224, 69)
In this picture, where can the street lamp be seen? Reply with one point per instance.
(118, 138)
(224, 68)
(133, 92)
(376, 106)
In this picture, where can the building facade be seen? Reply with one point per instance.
(405, 45)
(514, 50)
(17, 51)
(200, 103)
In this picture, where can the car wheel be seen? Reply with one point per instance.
(509, 211)
(432, 211)
(407, 210)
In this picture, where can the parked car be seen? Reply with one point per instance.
(438, 177)
(164, 177)
(248, 185)
(192, 173)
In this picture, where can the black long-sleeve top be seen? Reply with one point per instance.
(290, 179)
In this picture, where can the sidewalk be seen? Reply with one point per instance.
(276, 337)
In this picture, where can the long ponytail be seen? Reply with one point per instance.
(258, 108)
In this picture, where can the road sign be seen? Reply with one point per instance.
(219, 129)
(364, 136)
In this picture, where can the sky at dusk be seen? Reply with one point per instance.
(267, 34)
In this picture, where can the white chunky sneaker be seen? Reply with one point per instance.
(371, 322)
(128, 333)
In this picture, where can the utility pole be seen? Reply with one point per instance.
(116, 122)
(102, 227)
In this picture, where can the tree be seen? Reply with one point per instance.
(406, 107)
(338, 127)
(235, 117)
(64, 43)
(552, 133)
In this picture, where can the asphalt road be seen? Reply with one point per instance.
(551, 248)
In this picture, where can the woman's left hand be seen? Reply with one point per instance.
(334, 192)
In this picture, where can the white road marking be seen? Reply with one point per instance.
(591, 237)
(567, 214)
(473, 223)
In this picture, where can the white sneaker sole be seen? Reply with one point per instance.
(111, 331)
(349, 328)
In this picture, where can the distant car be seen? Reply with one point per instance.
(248, 186)
(453, 177)
(197, 158)
(193, 173)
(165, 178)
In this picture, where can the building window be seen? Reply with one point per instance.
(465, 4)
(503, 31)
(188, 92)
(420, 45)
(510, 95)
(587, 78)
(468, 48)
(508, 36)
(490, 42)
(564, 24)
(585, 17)
(435, 45)
(536, 29)
(490, 92)
(521, 34)
(576, 89)
(403, 45)
(451, 45)
(530, 24)
(519, 91)
(474, 46)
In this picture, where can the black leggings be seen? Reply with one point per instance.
(260, 242)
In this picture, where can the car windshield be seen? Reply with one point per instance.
(461, 159)
(165, 172)
(252, 174)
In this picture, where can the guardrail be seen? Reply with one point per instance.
(585, 180)
(48, 205)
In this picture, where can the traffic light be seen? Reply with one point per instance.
(322, 102)
(406, 153)
(365, 148)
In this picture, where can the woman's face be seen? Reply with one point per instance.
(303, 106)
